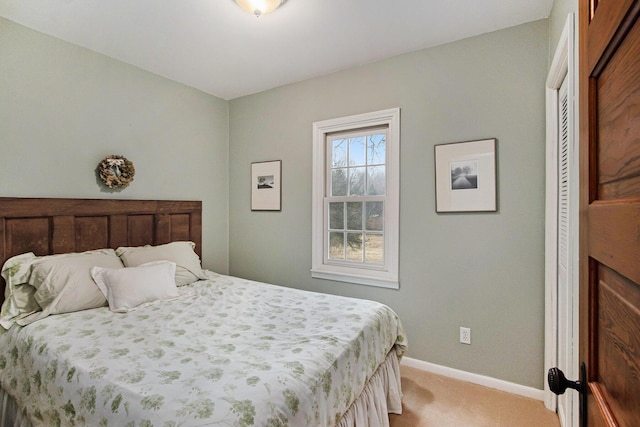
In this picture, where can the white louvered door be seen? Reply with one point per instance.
(564, 287)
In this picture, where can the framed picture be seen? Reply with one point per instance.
(266, 179)
(466, 176)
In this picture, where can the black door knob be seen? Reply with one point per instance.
(558, 383)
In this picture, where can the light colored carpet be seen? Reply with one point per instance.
(433, 400)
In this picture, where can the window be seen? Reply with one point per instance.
(356, 185)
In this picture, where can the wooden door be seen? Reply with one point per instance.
(610, 209)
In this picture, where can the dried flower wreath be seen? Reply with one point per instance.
(116, 171)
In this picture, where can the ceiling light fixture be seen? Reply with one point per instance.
(259, 7)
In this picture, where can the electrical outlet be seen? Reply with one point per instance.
(465, 335)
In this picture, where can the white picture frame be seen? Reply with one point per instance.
(266, 186)
(466, 176)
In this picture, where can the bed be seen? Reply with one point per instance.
(221, 351)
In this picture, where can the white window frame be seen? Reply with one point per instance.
(385, 276)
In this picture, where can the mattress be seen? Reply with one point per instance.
(228, 351)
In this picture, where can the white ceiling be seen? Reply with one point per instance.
(215, 46)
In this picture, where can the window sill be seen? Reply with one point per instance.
(359, 279)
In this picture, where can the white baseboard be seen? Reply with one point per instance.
(490, 382)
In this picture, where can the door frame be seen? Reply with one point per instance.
(564, 65)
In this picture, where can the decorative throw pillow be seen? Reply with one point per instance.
(63, 282)
(18, 294)
(129, 288)
(188, 267)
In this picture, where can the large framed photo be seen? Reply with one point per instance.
(466, 176)
(266, 180)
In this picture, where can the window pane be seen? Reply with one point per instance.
(376, 180)
(376, 149)
(354, 247)
(375, 216)
(356, 181)
(336, 216)
(339, 153)
(374, 249)
(339, 182)
(336, 245)
(354, 215)
(356, 151)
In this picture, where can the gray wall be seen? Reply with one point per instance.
(557, 20)
(63, 108)
(480, 270)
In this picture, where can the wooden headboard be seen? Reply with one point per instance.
(53, 226)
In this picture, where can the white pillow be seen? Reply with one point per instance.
(132, 287)
(188, 267)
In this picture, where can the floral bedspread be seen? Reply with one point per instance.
(229, 352)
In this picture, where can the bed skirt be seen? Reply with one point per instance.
(381, 396)
(10, 415)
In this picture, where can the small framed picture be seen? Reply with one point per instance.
(466, 176)
(266, 190)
